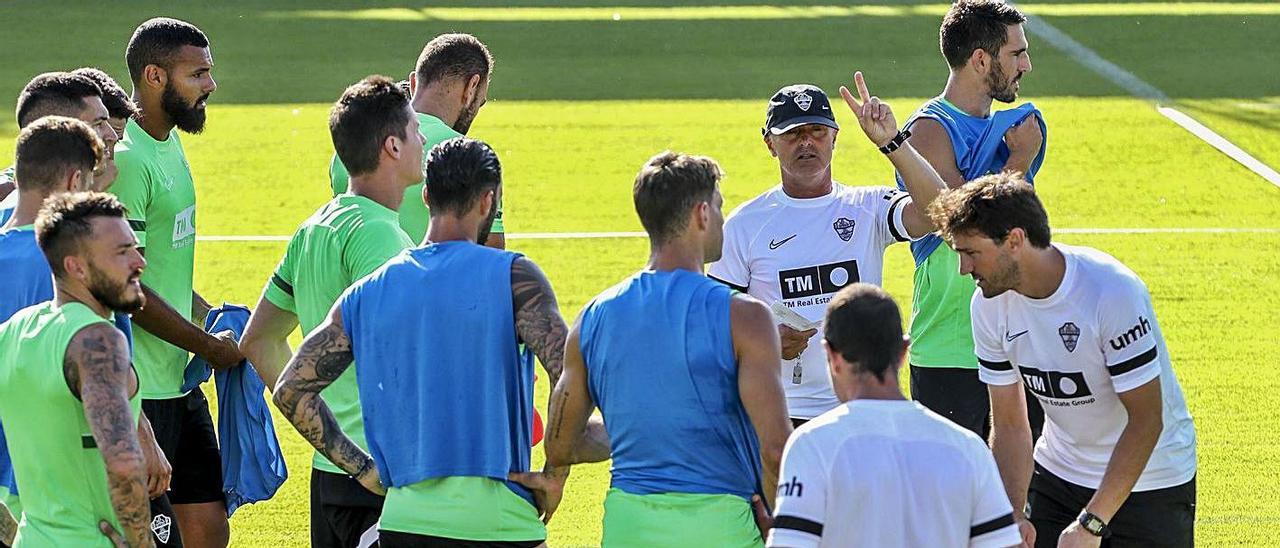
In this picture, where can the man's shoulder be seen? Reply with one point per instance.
(764, 203)
(1100, 268)
(867, 195)
(16, 243)
(944, 430)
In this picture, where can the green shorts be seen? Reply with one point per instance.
(462, 508)
(941, 330)
(678, 519)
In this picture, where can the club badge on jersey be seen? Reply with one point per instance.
(844, 228)
(1070, 336)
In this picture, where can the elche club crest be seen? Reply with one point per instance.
(803, 100)
(1070, 336)
(162, 526)
(844, 228)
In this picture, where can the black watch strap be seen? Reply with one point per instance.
(1094, 524)
(896, 142)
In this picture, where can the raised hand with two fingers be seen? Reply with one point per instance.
(874, 116)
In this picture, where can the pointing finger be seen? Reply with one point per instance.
(861, 82)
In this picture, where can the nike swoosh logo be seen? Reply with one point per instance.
(776, 245)
(1010, 338)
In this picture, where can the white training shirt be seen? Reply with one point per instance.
(889, 473)
(1096, 336)
(801, 252)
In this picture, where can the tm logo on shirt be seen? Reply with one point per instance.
(810, 281)
(184, 226)
(1057, 385)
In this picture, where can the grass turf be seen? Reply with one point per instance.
(577, 106)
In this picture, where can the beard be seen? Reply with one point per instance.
(1004, 279)
(1000, 84)
(117, 296)
(188, 118)
(487, 226)
(466, 117)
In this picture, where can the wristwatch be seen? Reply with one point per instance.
(896, 142)
(1094, 524)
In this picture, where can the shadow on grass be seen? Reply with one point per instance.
(261, 59)
(265, 56)
(1188, 57)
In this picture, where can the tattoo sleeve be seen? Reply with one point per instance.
(8, 526)
(98, 355)
(321, 359)
(538, 320)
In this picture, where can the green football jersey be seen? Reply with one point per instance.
(941, 331)
(414, 216)
(55, 457)
(343, 241)
(155, 184)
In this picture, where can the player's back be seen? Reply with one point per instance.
(661, 366)
(28, 279)
(890, 473)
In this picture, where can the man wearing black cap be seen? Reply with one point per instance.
(803, 240)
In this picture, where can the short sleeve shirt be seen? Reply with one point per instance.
(800, 252)
(156, 186)
(1094, 338)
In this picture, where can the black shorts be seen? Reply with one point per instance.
(184, 431)
(164, 525)
(393, 539)
(959, 395)
(342, 511)
(1157, 518)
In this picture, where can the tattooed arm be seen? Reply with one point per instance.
(323, 356)
(97, 371)
(538, 320)
(572, 435)
(8, 526)
(539, 325)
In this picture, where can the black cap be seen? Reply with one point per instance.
(796, 105)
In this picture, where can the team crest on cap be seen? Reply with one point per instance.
(803, 100)
(844, 228)
(1070, 336)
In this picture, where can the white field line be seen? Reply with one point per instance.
(1221, 143)
(1140, 88)
(600, 235)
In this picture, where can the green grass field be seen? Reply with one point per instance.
(579, 101)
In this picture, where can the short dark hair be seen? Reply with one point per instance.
(992, 206)
(864, 327)
(459, 171)
(64, 222)
(51, 146)
(368, 112)
(976, 24)
(668, 186)
(156, 40)
(453, 56)
(118, 103)
(60, 93)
